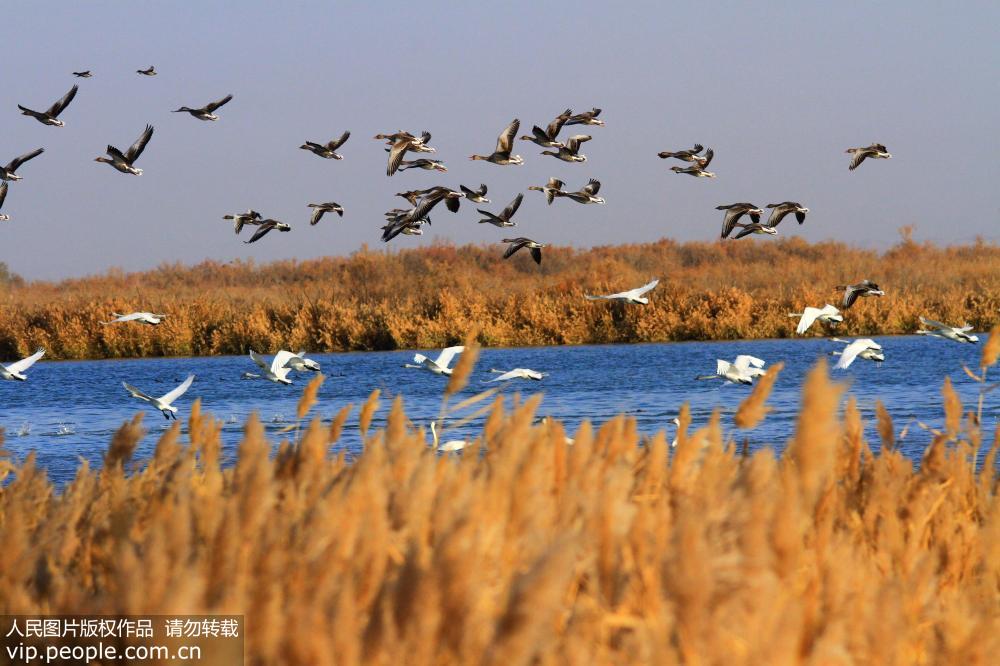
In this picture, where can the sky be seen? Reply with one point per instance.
(779, 90)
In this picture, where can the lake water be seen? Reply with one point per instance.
(69, 409)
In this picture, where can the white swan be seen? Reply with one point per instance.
(144, 317)
(861, 348)
(631, 296)
(827, 313)
(741, 371)
(16, 370)
(676, 422)
(438, 366)
(938, 330)
(449, 446)
(165, 402)
(278, 370)
(517, 373)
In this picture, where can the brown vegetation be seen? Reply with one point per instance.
(529, 550)
(429, 297)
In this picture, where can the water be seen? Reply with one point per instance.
(67, 410)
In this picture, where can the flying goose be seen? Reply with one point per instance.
(780, 210)
(505, 143)
(631, 296)
(439, 365)
(265, 227)
(326, 150)
(165, 402)
(146, 72)
(3, 195)
(452, 198)
(517, 243)
(206, 112)
(16, 370)
(475, 196)
(299, 363)
(423, 163)
(853, 291)
(503, 219)
(552, 189)
(828, 314)
(875, 151)
(447, 447)
(143, 317)
(51, 115)
(938, 330)
(586, 118)
(684, 155)
(400, 143)
(516, 373)
(860, 348)
(587, 194)
(698, 168)
(408, 221)
(754, 228)
(741, 371)
(570, 152)
(546, 138)
(7, 172)
(278, 369)
(239, 219)
(734, 212)
(320, 209)
(124, 162)
(83, 75)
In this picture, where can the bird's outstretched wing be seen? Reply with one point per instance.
(3, 192)
(25, 363)
(140, 144)
(552, 131)
(809, 316)
(744, 361)
(592, 187)
(259, 360)
(168, 398)
(851, 352)
(18, 161)
(280, 363)
(61, 104)
(136, 393)
(932, 323)
(510, 374)
(505, 142)
(337, 143)
(445, 357)
(647, 287)
(512, 207)
(215, 105)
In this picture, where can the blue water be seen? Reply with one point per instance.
(85, 399)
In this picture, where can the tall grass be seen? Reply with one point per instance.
(430, 297)
(532, 550)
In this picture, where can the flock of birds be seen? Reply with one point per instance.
(409, 221)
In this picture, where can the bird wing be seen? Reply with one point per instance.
(745, 231)
(555, 184)
(259, 360)
(573, 143)
(536, 254)
(935, 324)
(317, 215)
(800, 217)
(25, 363)
(512, 207)
(140, 144)
(829, 310)
(261, 231)
(722, 367)
(505, 142)
(61, 104)
(337, 143)
(809, 316)
(859, 155)
(778, 213)
(129, 317)
(3, 192)
(851, 352)
(215, 105)
(709, 154)
(396, 154)
(744, 361)
(452, 203)
(136, 393)
(552, 131)
(18, 161)
(514, 246)
(592, 187)
(510, 374)
(280, 362)
(729, 221)
(444, 358)
(646, 287)
(168, 398)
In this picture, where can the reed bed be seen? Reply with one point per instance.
(429, 297)
(530, 549)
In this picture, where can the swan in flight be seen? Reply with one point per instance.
(16, 370)
(741, 371)
(144, 317)
(827, 313)
(860, 348)
(450, 446)
(853, 291)
(165, 402)
(277, 371)
(938, 330)
(299, 363)
(438, 366)
(516, 373)
(631, 296)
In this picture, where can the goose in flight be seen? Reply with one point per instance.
(449, 446)
(16, 370)
(265, 227)
(51, 115)
(517, 243)
(938, 330)
(570, 152)
(684, 155)
(83, 75)
(546, 138)
(125, 162)
(3, 195)
(7, 172)
(875, 151)
(327, 150)
(277, 371)
(587, 194)
(698, 168)
(505, 143)
(853, 291)
(754, 228)
(827, 314)
(516, 373)
(239, 219)
(439, 365)
(631, 296)
(861, 348)
(299, 363)
(320, 209)
(475, 196)
(586, 118)
(408, 221)
(400, 143)
(552, 189)
(142, 317)
(504, 218)
(780, 210)
(147, 72)
(206, 112)
(423, 163)
(452, 198)
(741, 371)
(734, 212)
(165, 402)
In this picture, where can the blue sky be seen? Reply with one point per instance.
(779, 90)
